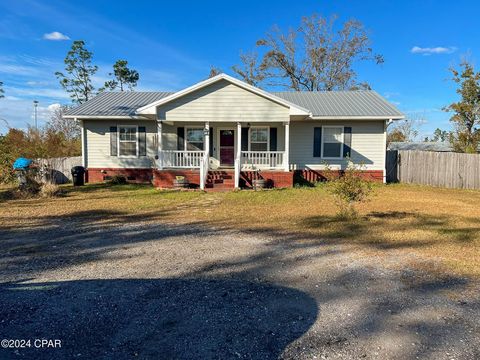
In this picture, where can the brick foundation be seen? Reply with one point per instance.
(274, 179)
(139, 176)
(164, 178)
(313, 176)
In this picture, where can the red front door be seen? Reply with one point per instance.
(227, 147)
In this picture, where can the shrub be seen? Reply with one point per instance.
(31, 185)
(49, 190)
(349, 188)
(118, 180)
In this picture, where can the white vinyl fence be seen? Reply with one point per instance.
(58, 170)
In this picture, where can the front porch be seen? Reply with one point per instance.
(242, 153)
(222, 179)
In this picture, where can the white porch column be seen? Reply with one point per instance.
(238, 155)
(286, 156)
(206, 139)
(159, 145)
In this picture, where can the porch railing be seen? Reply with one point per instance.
(181, 158)
(251, 160)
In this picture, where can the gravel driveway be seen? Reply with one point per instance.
(114, 287)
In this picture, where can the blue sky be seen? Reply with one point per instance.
(173, 44)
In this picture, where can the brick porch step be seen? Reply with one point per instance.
(218, 180)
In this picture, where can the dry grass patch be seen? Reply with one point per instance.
(438, 224)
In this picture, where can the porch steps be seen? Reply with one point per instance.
(218, 180)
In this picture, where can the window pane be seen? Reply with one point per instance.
(128, 148)
(195, 135)
(259, 146)
(194, 145)
(332, 149)
(332, 134)
(259, 134)
(128, 133)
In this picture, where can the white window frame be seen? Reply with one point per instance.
(341, 144)
(250, 136)
(185, 141)
(118, 141)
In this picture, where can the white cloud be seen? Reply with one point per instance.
(53, 107)
(433, 50)
(55, 36)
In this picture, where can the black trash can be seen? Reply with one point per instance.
(78, 175)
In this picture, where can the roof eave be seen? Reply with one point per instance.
(86, 117)
(346, 117)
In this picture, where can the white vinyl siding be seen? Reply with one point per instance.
(223, 101)
(98, 144)
(367, 144)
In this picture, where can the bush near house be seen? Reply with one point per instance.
(349, 189)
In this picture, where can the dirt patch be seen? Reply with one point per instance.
(115, 285)
(128, 271)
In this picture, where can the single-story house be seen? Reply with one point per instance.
(223, 133)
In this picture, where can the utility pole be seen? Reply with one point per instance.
(35, 105)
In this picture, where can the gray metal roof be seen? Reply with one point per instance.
(116, 103)
(328, 103)
(342, 103)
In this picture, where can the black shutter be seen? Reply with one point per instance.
(210, 141)
(113, 141)
(244, 139)
(347, 141)
(273, 139)
(180, 138)
(317, 142)
(142, 141)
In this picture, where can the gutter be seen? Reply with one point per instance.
(107, 117)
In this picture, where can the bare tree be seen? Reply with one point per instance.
(2, 92)
(58, 124)
(250, 70)
(406, 130)
(313, 57)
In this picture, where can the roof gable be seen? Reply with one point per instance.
(294, 109)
